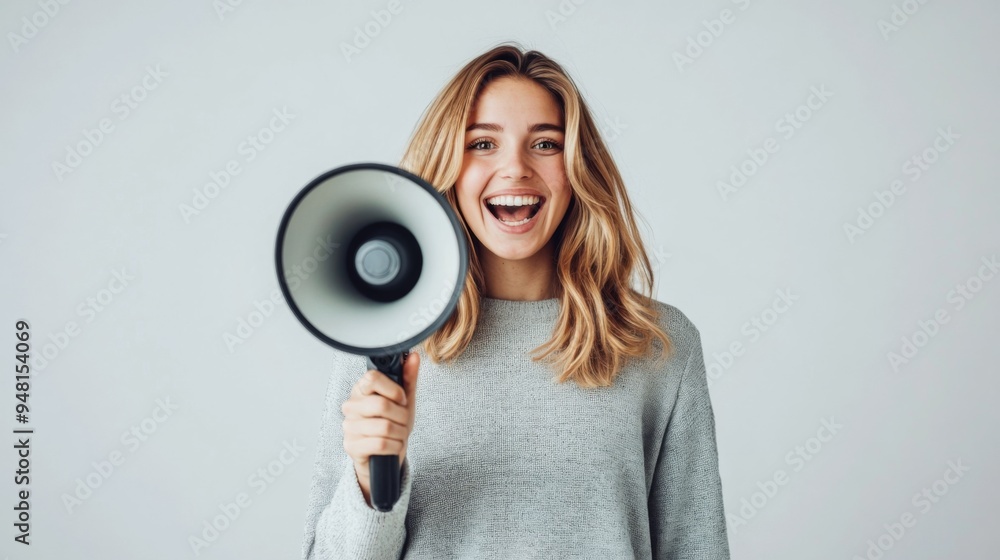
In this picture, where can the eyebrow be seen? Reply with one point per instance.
(540, 127)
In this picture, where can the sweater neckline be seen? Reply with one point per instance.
(519, 309)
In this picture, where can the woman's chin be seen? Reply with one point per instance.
(511, 250)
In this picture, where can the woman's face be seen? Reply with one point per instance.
(512, 191)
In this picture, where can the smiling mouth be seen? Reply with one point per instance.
(515, 215)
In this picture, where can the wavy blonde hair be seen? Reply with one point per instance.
(603, 321)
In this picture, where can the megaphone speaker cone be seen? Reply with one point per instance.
(371, 258)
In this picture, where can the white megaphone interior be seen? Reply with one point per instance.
(334, 211)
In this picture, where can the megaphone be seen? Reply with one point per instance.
(372, 260)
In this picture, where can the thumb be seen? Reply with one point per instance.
(410, 369)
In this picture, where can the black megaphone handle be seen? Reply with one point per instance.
(384, 469)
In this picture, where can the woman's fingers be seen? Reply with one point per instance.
(376, 382)
(360, 448)
(375, 427)
(375, 406)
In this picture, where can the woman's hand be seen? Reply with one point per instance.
(378, 418)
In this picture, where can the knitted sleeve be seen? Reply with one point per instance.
(687, 519)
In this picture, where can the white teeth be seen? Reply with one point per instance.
(517, 223)
(509, 200)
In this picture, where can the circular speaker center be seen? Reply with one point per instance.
(384, 261)
(377, 262)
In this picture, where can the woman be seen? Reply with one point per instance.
(546, 428)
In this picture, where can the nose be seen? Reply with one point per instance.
(515, 166)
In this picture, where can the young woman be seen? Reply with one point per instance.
(562, 413)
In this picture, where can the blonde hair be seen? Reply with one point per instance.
(603, 321)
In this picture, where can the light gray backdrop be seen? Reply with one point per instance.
(855, 419)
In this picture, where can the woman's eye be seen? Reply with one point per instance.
(475, 145)
(551, 145)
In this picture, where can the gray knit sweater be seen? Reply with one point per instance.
(505, 463)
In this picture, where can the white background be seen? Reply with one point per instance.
(676, 128)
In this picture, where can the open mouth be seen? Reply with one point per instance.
(514, 210)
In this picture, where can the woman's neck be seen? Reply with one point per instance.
(529, 279)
